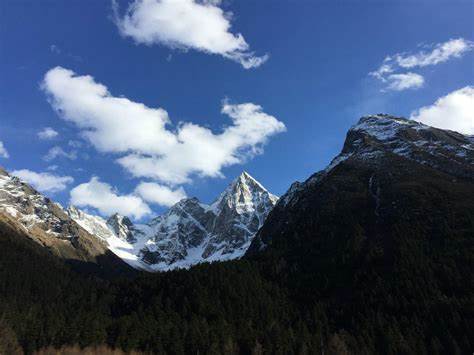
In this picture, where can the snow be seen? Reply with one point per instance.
(393, 133)
(173, 235)
(28, 206)
(383, 127)
(336, 161)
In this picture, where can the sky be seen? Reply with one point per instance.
(129, 106)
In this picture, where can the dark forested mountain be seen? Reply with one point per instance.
(384, 238)
(374, 254)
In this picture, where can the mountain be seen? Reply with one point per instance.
(372, 255)
(386, 146)
(381, 241)
(46, 223)
(190, 232)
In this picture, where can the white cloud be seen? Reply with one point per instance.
(3, 151)
(102, 197)
(186, 24)
(159, 194)
(47, 133)
(382, 71)
(399, 82)
(44, 182)
(454, 111)
(152, 148)
(440, 53)
(58, 152)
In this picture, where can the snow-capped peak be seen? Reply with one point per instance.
(376, 136)
(242, 195)
(190, 232)
(380, 134)
(384, 126)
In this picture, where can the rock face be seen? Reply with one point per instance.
(45, 222)
(123, 228)
(190, 232)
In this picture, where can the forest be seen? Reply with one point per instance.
(422, 303)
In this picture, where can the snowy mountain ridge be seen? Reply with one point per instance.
(375, 136)
(190, 232)
(48, 224)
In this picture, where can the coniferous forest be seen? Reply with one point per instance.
(321, 287)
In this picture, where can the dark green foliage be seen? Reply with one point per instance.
(354, 267)
(221, 308)
(387, 250)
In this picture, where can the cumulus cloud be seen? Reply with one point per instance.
(3, 151)
(388, 72)
(186, 24)
(44, 182)
(58, 152)
(149, 145)
(399, 82)
(47, 133)
(454, 111)
(159, 194)
(106, 200)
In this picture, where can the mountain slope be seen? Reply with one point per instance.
(382, 239)
(47, 224)
(381, 144)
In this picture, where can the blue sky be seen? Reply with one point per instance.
(316, 83)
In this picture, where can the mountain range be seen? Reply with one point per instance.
(373, 254)
(189, 233)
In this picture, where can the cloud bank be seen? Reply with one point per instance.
(186, 24)
(102, 197)
(44, 182)
(149, 146)
(454, 111)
